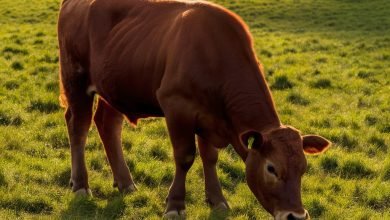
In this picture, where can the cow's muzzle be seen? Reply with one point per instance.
(286, 215)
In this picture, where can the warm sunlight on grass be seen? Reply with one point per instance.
(327, 62)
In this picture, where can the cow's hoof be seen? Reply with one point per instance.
(125, 190)
(221, 207)
(129, 189)
(218, 206)
(83, 192)
(174, 214)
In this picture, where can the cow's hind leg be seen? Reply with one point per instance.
(214, 196)
(78, 119)
(109, 123)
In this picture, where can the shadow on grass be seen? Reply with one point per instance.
(33, 206)
(218, 214)
(87, 208)
(316, 16)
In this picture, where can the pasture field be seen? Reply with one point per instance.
(327, 62)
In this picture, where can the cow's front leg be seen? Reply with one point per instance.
(214, 196)
(181, 130)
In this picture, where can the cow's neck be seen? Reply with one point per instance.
(249, 105)
(254, 115)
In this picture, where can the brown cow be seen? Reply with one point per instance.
(193, 63)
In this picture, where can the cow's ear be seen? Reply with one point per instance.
(314, 144)
(252, 139)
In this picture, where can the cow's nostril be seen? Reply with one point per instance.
(290, 217)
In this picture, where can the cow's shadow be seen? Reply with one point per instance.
(87, 208)
(218, 215)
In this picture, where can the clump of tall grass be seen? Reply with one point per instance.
(281, 83)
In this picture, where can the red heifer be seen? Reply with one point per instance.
(192, 63)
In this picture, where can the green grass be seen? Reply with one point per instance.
(327, 62)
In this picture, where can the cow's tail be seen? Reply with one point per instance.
(62, 97)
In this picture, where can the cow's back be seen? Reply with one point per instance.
(133, 48)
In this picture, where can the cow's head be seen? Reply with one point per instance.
(275, 164)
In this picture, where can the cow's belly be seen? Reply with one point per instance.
(133, 96)
(130, 84)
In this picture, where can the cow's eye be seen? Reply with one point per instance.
(271, 170)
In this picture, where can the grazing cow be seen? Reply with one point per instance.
(192, 63)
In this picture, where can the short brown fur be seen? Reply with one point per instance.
(192, 63)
